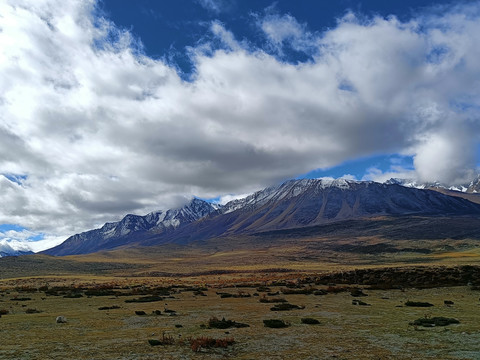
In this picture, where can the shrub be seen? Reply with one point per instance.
(214, 323)
(144, 299)
(140, 313)
(73, 296)
(204, 342)
(166, 340)
(418, 304)
(310, 321)
(435, 321)
(304, 291)
(32, 311)
(109, 307)
(263, 299)
(101, 292)
(357, 292)
(275, 323)
(359, 302)
(3, 311)
(285, 307)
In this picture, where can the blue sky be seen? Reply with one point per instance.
(113, 107)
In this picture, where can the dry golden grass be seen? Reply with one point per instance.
(346, 331)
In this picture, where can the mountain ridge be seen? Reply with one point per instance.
(295, 203)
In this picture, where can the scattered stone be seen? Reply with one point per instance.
(61, 320)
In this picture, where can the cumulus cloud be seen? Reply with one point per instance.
(95, 129)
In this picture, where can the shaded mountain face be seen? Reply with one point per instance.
(131, 228)
(302, 203)
(294, 204)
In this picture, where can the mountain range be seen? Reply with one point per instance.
(294, 204)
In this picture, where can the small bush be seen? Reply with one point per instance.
(166, 340)
(285, 307)
(32, 311)
(303, 291)
(435, 321)
(357, 292)
(145, 299)
(418, 304)
(310, 321)
(214, 323)
(359, 302)
(21, 299)
(264, 299)
(109, 307)
(203, 342)
(73, 296)
(3, 311)
(101, 292)
(140, 313)
(275, 323)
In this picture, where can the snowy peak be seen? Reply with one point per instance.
(472, 187)
(288, 189)
(112, 234)
(13, 248)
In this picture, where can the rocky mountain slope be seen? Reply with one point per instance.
(293, 204)
(132, 227)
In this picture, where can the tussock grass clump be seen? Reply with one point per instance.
(145, 299)
(166, 340)
(435, 321)
(32, 311)
(203, 342)
(301, 291)
(418, 304)
(73, 296)
(101, 292)
(264, 299)
(215, 323)
(359, 302)
(275, 323)
(357, 292)
(285, 307)
(310, 321)
(109, 307)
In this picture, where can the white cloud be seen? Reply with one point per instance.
(100, 130)
(227, 198)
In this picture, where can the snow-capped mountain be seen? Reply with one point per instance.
(470, 188)
(293, 204)
(13, 248)
(131, 227)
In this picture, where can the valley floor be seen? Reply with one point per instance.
(346, 330)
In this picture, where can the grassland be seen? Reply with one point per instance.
(295, 265)
(380, 330)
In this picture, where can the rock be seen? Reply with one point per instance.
(61, 320)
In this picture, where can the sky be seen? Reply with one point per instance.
(114, 107)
